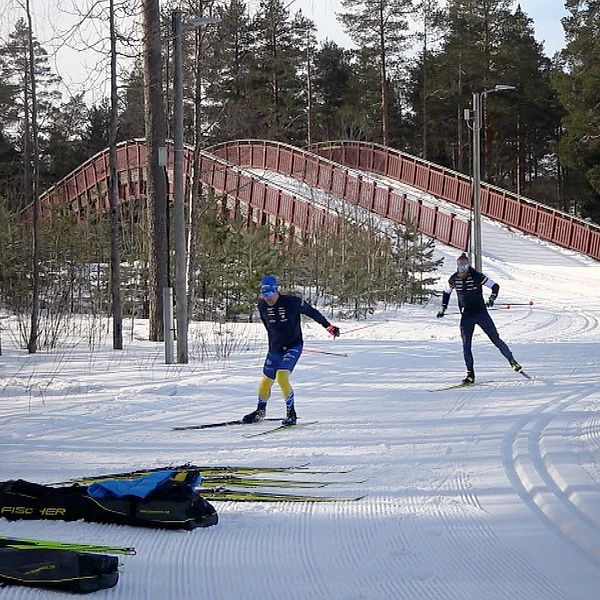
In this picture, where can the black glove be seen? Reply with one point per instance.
(442, 312)
(491, 300)
(334, 331)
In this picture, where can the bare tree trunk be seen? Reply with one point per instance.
(195, 197)
(383, 78)
(309, 91)
(35, 274)
(424, 91)
(486, 164)
(155, 122)
(115, 255)
(459, 119)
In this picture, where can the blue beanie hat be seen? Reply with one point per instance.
(268, 286)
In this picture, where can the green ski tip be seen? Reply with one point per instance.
(31, 544)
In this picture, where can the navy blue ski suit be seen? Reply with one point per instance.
(474, 311)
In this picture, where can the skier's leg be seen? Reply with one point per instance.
(266, 383)
(467, 326)
(286, 366)
(488, 326)
(283, 379)
(264, 389)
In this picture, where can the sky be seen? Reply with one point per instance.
(79, 68)
(491, 491)
(545, 13)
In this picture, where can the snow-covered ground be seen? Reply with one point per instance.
(485, 492)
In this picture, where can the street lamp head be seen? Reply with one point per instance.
(501, 87)
(194, 23)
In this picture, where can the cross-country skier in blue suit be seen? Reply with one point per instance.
(468, 285)
(281, 315)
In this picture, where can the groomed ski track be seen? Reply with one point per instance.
(477, 493)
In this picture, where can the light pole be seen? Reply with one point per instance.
(178, 27)
(476, 115)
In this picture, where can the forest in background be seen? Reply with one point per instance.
(406, 84)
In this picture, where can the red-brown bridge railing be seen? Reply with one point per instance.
(86, 188)
(506, 207)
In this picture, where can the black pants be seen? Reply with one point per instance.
(467, 326)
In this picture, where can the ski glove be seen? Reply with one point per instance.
(491, 300)
(334, 331)
(442, 312)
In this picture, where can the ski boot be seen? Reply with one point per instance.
(290, 417)
(469, 379)
(516, 366)
(256, 415)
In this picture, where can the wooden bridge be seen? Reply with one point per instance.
(372, 178)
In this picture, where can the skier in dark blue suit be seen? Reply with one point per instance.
(281, 315)
(468, 285)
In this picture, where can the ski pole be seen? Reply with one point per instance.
(507, 305)
(324, 352)
(362, 327)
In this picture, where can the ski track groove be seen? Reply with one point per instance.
(476, 548)
(516, 469)
(591, 431)
(359, 537)
(465, 490)
(534, 439)
(310, 553)
(396, 572)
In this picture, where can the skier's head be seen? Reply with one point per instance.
(463, 264)
(269, 288)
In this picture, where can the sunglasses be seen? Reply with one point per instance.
(463, 267)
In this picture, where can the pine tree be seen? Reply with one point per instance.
(579, 92)
(331, 88)
(230, 74)
(131, 118)
(63, 150)
(17, 118)
(379, 27)
(96, 131)
(278, 93)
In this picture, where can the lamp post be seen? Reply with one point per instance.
(178, 27)
(476, 115)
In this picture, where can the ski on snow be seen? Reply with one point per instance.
(222, 473)
(279, 428)
(251, 484)
(220, 424)
(456, 386)
(233, 495)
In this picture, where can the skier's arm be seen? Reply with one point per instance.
(495, 289)
(446, 297)
(315, 315)
(263, 318)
